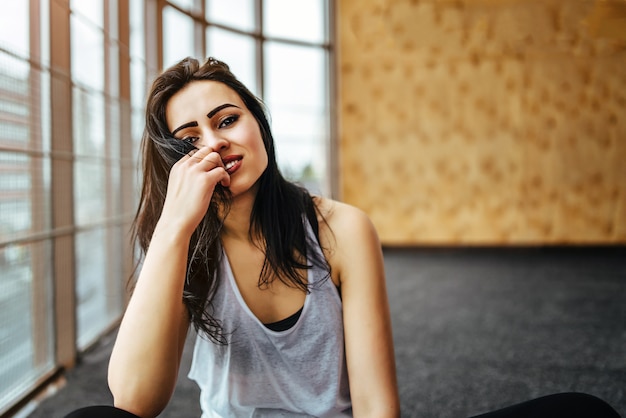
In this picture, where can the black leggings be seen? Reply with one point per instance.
(566, 405)
(562, 405)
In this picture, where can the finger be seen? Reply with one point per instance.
(225, 180)
(211, 161)
(200, 153)
(218, 176)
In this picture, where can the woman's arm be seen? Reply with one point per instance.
(358, 258)
(144, 363)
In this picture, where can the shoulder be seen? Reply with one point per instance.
(342, 218)
(346, 234)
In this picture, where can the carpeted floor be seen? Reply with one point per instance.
(474, 330)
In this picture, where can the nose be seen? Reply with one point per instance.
(214, 140)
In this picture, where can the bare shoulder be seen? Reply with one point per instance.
(341, 217)
(346, 233)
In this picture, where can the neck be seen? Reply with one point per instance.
(237, 221)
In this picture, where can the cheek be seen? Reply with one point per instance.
(260, 149)
(261, 158)
(266, 160)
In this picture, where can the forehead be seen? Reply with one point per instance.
(197, 99)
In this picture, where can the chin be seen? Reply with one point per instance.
(236, 192)
(237, 189)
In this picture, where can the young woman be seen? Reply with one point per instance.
(285, 290)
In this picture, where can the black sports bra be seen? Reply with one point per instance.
(285, 324)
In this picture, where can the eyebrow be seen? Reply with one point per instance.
(183, 126)
(220, 107)
(209, 115)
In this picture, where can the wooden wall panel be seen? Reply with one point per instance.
(484, 122)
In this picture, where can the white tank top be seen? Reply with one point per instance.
(300, 372)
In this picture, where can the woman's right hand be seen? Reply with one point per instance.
(190, 187)
(146, 357)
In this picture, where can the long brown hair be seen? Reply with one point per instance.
(278, 214)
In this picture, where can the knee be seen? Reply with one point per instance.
(101, 411)
(584, 405)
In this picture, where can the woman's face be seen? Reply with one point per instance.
(211, 114)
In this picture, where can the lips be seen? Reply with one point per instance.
(232, 163)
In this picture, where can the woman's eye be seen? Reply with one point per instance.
(228, 121)
(190, 139)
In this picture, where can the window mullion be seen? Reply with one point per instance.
(260, 61)
(62, 185)
(154, 36)
(332, 148)
(127, 182)
(38, 207)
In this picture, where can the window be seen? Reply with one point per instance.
(70, 129)
(298, 102)
(62, 219)
(302, 20)
(138, 74)
(178, 36)
(96, 138)
(26, 338)
(238, 51)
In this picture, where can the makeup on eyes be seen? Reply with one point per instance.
(230, 119)
(209, 115)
